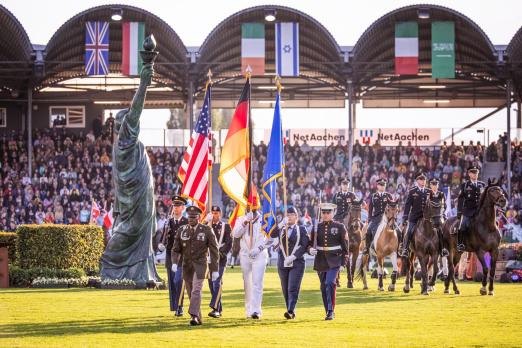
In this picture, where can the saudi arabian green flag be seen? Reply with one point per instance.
(443, 50)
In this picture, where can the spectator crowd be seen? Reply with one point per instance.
(70, 170)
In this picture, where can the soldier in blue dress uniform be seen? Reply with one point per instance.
(468, 204)
(378, 202)
(413, 210)
(223, 234)
(329, 245)
(174, 280)
(291, 262)
(435, 195)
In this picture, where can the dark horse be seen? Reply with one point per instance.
(353, 223)
(483, 236)
(425, 246)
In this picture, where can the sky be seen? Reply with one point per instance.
(346, 20)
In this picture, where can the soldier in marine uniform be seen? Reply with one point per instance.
(194, 243)
(468, 204)
(329, 245)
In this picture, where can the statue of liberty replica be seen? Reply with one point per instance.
(129, 253)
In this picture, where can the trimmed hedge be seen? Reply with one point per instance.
(8, 240)
(20, 277)
(60, 246)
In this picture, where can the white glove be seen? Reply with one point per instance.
(249, 216)
(161, 247)
(253, 253)
(289, 260)
(174, 268)
(313, 251)
(215, 276)
(209, 218)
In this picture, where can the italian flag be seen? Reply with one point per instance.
(253, 47)
(132, 40)
(406, 48)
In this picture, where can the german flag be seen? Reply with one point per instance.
(234, 172)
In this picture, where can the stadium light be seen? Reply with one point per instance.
(111, 102)
(117, 14)
(270, 15)
(423, 13)
(268, 87)
(432, 86)
(435, 101)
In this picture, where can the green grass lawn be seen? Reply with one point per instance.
(92, 317)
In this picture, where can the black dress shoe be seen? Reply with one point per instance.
(195, 321)
(179, 313)
(329, 315)
(214, 314)
(288, 315)
(445, 252)
(255, 315)
(461, 248)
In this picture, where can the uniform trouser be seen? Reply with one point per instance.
(175, 282)
(463, 228)
(372, 229)
(409, 234)
(253, 278)
(328, 287)
(215, 290)
(291, 279)
(194, 290)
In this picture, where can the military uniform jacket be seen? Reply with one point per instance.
(415, 203)
(332, 245)
(378, 203)
(226, 240)
(293, 249)
(343, 200)
(469, 197)
(169, 234)
(438, 197)
(193, 245)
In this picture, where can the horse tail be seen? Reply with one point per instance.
(359, 266)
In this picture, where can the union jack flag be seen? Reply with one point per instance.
(97, 48)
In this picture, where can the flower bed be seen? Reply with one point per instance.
(54, 283)
(118, 284)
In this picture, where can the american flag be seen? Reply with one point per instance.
(97, 48)
(198, 157)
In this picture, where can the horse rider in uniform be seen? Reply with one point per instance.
(223, 234)
(468, 204)
(435, 195)
(253, 256)
(329, 245)
(413, 210)
(291, 262)
(195, 243)
(343, 200)
(378, 202)
(174, 279)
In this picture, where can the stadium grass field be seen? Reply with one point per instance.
(104, 318)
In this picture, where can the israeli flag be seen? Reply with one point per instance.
(287, 49)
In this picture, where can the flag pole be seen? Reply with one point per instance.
(208, 89)
(279, 88)
(248, 76)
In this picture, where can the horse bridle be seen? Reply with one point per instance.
(437, 206)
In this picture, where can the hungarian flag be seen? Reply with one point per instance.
(234, 172)
(95, 212)
(133, 36)
(406, 48)
(253, 47)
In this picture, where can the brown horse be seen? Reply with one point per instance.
(353, 223)
(483, 236)
(425, 247)
(385, 243)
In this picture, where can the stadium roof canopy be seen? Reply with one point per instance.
(64, 60)
(477, 82)
(15, 54)
(514, 51)
(321, 82)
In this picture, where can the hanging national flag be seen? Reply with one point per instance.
(97, 48)
(406, 48)
(133, 35)
(235, 155)
(238, 211)
(194, 168)
(287, 49)
(443, 50)
(274, 166)
(253, 47)
(108, 220)
(95, 212)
